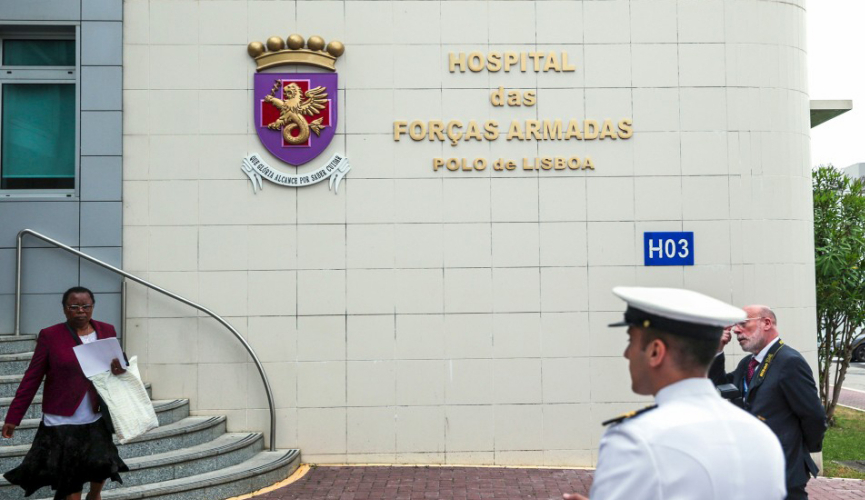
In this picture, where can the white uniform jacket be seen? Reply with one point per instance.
(694, 446)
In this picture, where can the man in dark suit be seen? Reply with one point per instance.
(778, 388)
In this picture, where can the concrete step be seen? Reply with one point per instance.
(225, 451)
(191, 431)
(35, 409)
(9, 385)
(15, 363)
(222, 452)
(263, 469)
(167, 411)
(10, 344)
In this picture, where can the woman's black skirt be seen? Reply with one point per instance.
(65, 457)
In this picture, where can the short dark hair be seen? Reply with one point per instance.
(689, 353)
(77, 289)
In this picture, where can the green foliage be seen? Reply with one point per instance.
(845, 441)
(839, 252)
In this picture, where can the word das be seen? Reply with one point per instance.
(515, 98)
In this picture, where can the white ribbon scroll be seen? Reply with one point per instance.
(256, 168)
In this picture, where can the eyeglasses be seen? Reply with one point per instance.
(744, 322)
(76, 307)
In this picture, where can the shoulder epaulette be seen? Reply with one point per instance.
(626, 416)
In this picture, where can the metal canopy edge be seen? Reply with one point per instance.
(824, 110)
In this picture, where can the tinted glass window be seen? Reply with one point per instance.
(38, 52)
(37, 150)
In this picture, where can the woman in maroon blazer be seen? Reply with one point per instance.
(73, 444)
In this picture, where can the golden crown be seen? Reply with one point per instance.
(276, 52)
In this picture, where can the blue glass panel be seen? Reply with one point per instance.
(38, 134)
(39, 52)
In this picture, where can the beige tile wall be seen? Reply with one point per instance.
(436, 317)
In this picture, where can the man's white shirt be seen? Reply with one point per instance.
(694, 445)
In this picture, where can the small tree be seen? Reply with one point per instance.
(839, 248)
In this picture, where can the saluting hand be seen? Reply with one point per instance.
(116, 367)
(726, 336)
(8, 430)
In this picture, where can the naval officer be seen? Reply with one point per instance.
(691, 444)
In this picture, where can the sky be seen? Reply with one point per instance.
(836, 71)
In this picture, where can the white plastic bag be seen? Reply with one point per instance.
(131, 410)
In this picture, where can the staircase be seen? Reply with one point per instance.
(185, 457)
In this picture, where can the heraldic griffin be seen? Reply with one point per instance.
(292, 107)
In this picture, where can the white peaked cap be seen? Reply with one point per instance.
(676, 309)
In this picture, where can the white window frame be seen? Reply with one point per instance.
(44, 74)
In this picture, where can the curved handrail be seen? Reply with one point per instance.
(161, 290)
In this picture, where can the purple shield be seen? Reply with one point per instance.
(295, 113)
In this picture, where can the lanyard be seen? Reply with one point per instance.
(764, 366)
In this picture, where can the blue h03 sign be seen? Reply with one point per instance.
(669, 249)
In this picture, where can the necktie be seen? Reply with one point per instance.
(751, 367)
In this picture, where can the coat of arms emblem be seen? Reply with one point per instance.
(295, 113)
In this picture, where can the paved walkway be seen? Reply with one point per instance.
(462, 483)
(476, 483)
(852, 398)
(480, 483)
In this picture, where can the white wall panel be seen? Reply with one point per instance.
(423, 316)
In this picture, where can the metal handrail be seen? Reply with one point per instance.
(161, 290)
